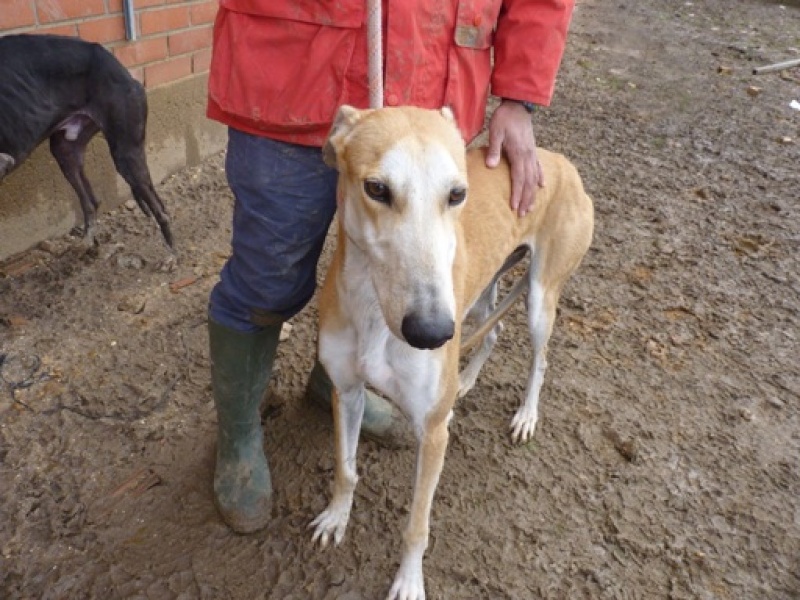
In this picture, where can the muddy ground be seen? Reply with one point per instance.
(665, 464)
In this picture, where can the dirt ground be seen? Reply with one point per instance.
(665, 463)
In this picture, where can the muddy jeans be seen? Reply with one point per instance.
(285, 199)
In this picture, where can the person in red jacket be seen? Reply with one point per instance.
(279, 71)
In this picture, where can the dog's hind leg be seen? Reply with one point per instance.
(124, 126)
(541, 317)
(69, 154)
(132, 165)
(7, 163)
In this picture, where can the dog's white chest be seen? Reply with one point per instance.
(408, 377)
(373, 353)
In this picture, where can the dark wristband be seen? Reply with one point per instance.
(529, 106)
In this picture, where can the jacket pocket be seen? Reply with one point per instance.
(469, 64)
(322, 12)
(475, 23)
(279, 73)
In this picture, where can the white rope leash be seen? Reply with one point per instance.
(375, 53)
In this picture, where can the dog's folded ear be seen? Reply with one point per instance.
(447, 113)
(343, 122)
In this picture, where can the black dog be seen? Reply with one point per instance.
(67, 89)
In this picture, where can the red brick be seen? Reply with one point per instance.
(116, 6)
(17, 13)
(201, 61)
(142, 51)
(137, 74)
(61, 10)
(161, 20)
(189, 40)
(204, 12)
(68, 30)
(167, 71)
(105, 30)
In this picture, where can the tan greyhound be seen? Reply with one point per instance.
(425, 230)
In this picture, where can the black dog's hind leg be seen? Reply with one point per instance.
(132, 165)
(124, 127)
(70, 154)
(7, 163)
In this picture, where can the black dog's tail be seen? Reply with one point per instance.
(122, 116)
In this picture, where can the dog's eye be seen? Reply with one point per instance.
(457, 196)
(378, 191)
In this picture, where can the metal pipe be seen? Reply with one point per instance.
(130, 20)
(787, 64)
(375, 53)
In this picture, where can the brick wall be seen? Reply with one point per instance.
(174, 36)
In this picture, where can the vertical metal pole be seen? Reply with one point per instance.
(375, 53)
(130, 20)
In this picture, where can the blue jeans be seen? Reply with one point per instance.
(285, 199)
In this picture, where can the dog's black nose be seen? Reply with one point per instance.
(427, 333)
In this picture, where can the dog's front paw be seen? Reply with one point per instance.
(331, 524)
(523, 424)
(408, 585)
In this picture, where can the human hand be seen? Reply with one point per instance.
(511, 132)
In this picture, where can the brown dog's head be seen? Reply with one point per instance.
(402, 183)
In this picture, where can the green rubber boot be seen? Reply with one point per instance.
(381, 422)
(241, 364)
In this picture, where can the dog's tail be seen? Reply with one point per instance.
(498, 313)
(119, 104)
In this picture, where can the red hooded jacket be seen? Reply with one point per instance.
(281, 68)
